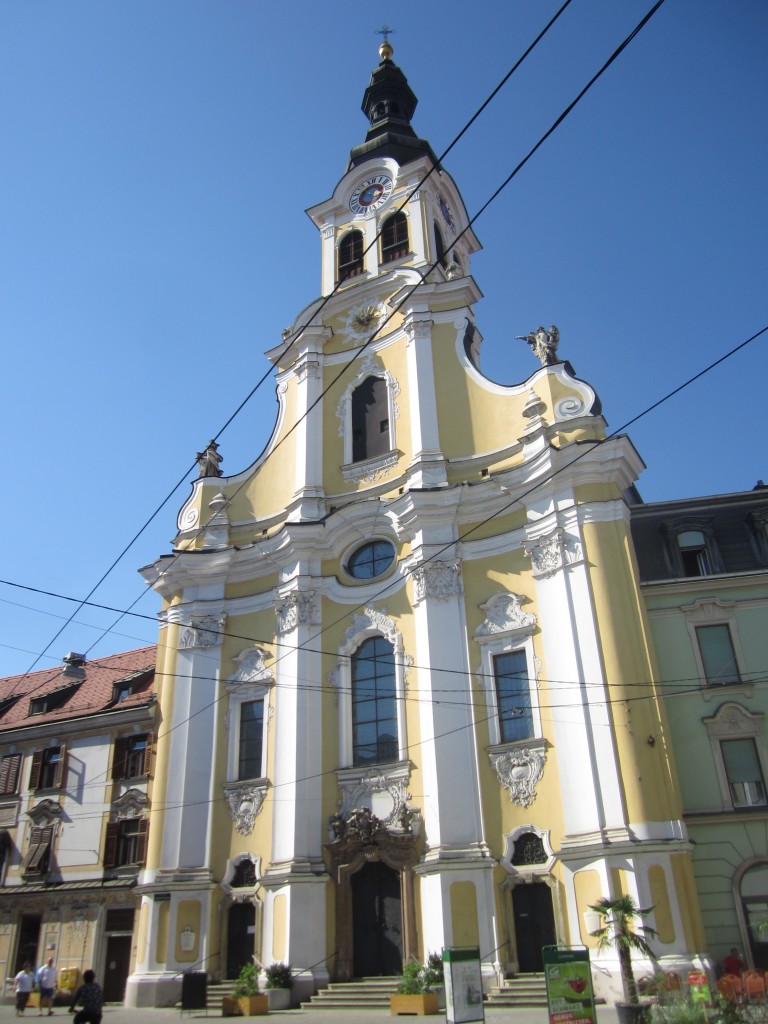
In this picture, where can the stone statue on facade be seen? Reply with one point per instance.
(543, 344)
(208, 461)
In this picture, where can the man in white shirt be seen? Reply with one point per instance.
(46, 980)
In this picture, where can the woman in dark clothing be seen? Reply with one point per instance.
(90, 997)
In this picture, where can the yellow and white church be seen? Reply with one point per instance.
(400, 654)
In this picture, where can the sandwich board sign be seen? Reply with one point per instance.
(568, 977)
(463, 985)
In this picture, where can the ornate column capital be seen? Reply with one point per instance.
(440, 580)
(203, 631)
(553, 552)
(297, 608)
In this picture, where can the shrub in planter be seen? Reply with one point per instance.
(413, 995)
(246, 991)
(279, 975)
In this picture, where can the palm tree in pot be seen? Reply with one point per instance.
(621, 914)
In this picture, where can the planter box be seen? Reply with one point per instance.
(229, 1007)
(253, 1006)
(420, 1006)
(279, 998)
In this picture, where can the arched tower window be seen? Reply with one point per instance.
(394, 237)
(439, 246)
(374, 708)
(370, 419)
(351, 255)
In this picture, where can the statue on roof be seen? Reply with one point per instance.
(208, 461)
(543, 344)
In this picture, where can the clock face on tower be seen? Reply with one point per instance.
(371, 193)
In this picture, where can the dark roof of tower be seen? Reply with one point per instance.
(389, 103)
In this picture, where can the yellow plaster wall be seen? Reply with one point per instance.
(685, 888)
(161, 934)
(662, 911)
(645, 768)
(588, 889)
(279, 926)
(166, 664)
(188, 915)
(142, 951)
(464, 920)
(6, 932)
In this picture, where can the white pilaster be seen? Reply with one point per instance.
(428, 463)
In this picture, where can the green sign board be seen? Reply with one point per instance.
(568, 977)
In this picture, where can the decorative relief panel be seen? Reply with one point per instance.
(519, 769)
(440, 580)
(363, 322)
(205, 631)
(298, 608)
(386, 791)
(504, 614)
(45, 812)
(245, 803)
(553, 552)
(131, 804)
(370, 471)
(251, 668)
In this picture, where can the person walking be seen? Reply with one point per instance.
(24, 982)
(46, 982)
(90, 997)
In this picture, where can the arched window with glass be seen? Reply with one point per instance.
(374, 704)
(370, 419)
(351, 255)
(394, 237)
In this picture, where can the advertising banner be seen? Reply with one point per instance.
(569, 984)
(463, 986)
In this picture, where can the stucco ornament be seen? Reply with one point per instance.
(553, 552)
(245, 803)
(251, 667)
(364, 824)
(503, 614)
(363, 322)
(299, 608)
(357, 791)
(373, 621)
(440, 580)
(131, 804)
(519, 770)
(46, 812)
(205, 631)
(543, 344)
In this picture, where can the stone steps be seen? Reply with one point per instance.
(521, 990)
(364, 993)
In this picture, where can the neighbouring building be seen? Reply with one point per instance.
(75, 763)
(704, 571)
(401, 654)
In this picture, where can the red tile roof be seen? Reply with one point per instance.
(92, 693)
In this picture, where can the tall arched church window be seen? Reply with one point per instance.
(394, 237)
(374, 708)
(370, 419)
(351, 255)
(439, 247)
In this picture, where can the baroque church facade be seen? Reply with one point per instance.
(400, 654)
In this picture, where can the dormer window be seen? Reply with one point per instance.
(693, 553)
(394, 238)
(51, 701)
(351, 255)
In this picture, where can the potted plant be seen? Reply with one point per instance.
(434, 977)
(246, 991)
(413, 995)
(621, 914)
(278, 985)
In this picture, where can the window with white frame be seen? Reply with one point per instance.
(718, 656)
(740, 754)
(692, 548)
(248, 692)
(367, 412)
(508, 669)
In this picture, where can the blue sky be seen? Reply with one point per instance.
(157, 159)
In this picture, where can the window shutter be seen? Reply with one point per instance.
(118, 761)
(9, 773)
(110, 844)
(61, 769)
(148, 757)
(37, 766)
(141, 842)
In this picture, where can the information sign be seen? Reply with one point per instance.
(568, 977)
(463, 986)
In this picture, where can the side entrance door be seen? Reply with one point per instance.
(117, 967)
(377, 921)
(534, 924)
(241, 943)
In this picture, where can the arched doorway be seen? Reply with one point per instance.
(377, 921)
(534, 924)
(241, 927)
(753, 892)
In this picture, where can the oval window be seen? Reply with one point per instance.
(370, 560)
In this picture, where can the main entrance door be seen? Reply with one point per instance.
(117, 967)
(534, 924)
(241, 925)
(377, 921)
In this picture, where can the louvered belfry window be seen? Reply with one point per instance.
(394, 238)
(351, 255)
(370, 419)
